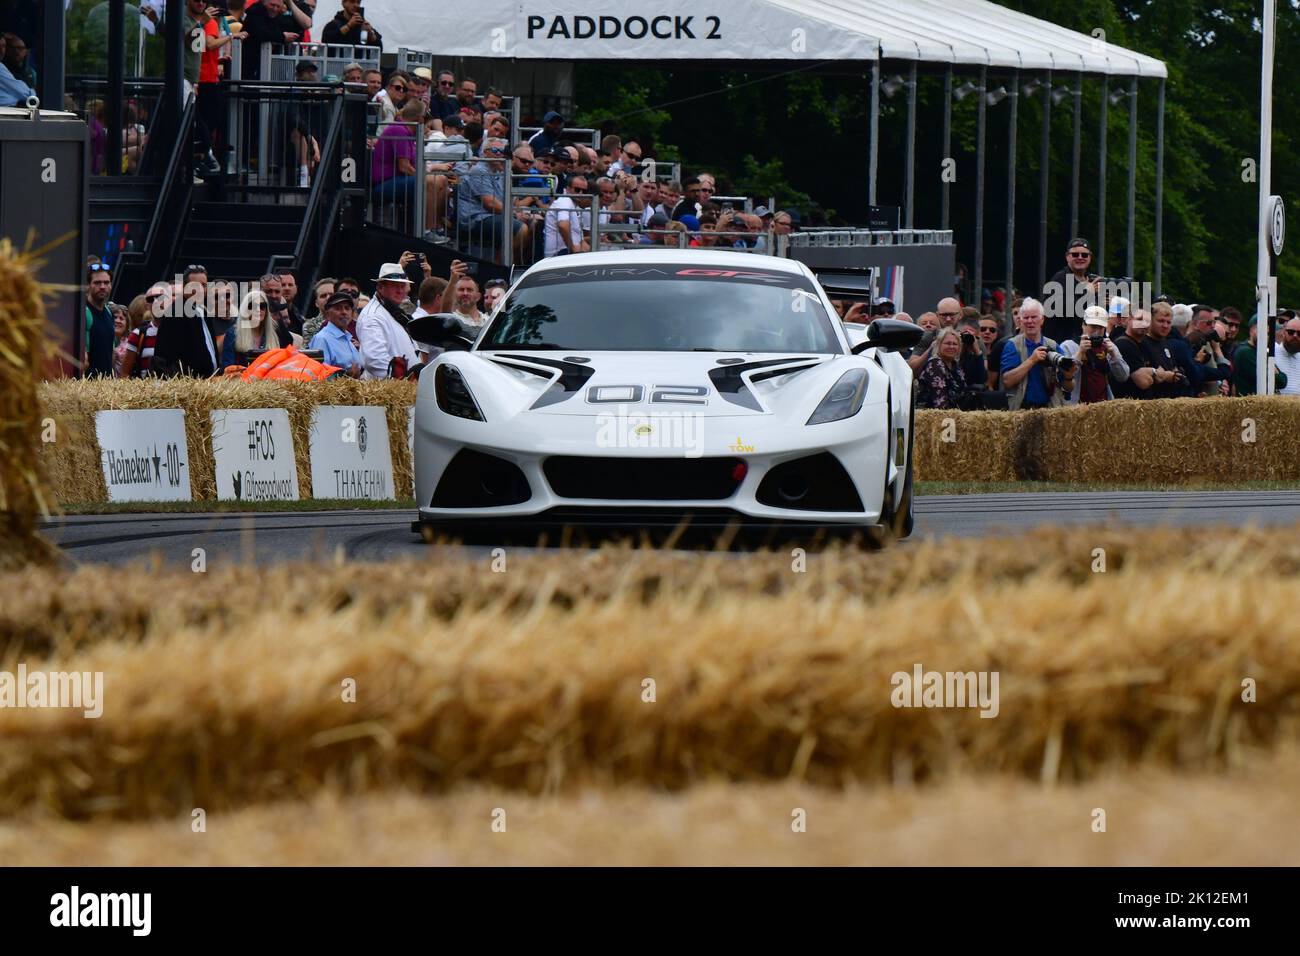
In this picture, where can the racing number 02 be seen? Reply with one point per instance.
(659, 394)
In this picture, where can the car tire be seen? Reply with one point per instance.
(905, 515)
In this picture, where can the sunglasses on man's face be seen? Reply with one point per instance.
(98, 267)
(988, 330)
(948, 315)
(1081, 255)
(1291, 331)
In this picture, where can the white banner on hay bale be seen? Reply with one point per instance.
(410, 432)
(143, 454)
(350, 456)
(254, 455)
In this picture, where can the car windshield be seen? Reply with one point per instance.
(663, 308)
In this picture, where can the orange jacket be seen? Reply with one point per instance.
(289, 363)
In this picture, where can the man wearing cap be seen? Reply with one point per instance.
(1144, 379)
(1030, 381)
(350, 28)
(1098, 358)
(386, 350)
(334, 339)
(480, 206)
(421, 82)
(1063, 293)
(546, 138)
(883, 307)
(1243, 364)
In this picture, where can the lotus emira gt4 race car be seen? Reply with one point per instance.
(638, 387)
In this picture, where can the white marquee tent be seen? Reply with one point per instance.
(956, 36)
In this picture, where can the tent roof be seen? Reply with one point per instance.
(958, 32)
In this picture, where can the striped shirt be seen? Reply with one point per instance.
(149, 334)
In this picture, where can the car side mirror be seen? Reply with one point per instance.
(441, 330)
(892, 335)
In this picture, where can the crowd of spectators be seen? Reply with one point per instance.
(1109, 347)
(193, 327)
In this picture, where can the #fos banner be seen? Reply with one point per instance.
(254, 455)
(350, 456)
(143, 454)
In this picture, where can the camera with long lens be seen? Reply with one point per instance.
(1059, 361)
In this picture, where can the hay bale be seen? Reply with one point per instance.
(73, 462)
(966, 446)
(1126, 441)
(25, 347)
(532, 681)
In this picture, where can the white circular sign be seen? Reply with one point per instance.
(1276, 223)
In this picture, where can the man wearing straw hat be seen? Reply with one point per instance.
(386, 349)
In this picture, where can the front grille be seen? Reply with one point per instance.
(644, 479)
(475, 480)
(816, 483)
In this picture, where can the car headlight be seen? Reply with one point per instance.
(844, 399)
(454, 396)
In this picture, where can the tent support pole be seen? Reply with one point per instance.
(1132, 170)
(1100, 260)
(947, 144)
(875, 129)
(1044, 179)
(1160, 183)
(1074, 166)
(1011, 195)
(979, 186)
(911, 145)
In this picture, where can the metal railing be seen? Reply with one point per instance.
(135, 268)
(831, 236)
(577, 134)
(394, 199)
(275, 129)
(280, 60)
(329, 189)
(87, 96)
(408, 60)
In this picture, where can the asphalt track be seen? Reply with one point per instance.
(266, 537)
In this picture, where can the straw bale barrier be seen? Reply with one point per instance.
(1126, 441)
(73, 461)
(1164, 442)
(24, 349)
(533, 680)
(1155, 818)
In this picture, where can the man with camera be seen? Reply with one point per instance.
(1100, 364)
(1070, 291)
(1144, 379)
(1035, 372)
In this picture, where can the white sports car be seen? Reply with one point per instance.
(638, 387)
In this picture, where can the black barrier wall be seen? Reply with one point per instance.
(927, 270)
(43, 202)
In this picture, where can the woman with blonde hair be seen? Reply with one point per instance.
(942, 383)
(142, 334)
(255, 331)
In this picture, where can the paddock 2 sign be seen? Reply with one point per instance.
(253, 455)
